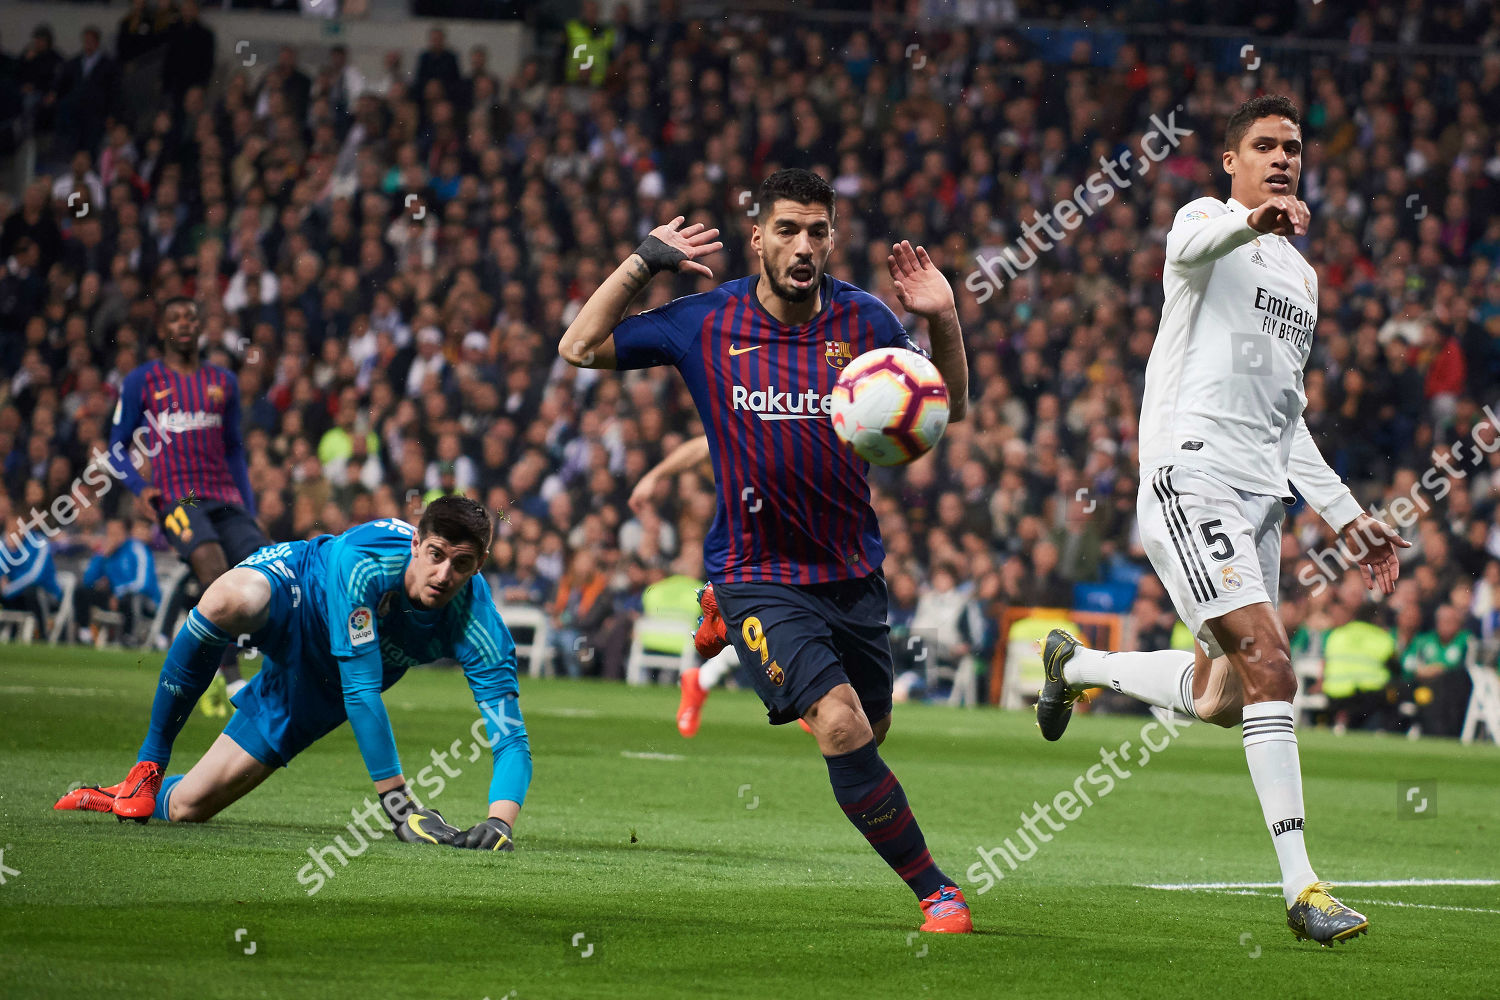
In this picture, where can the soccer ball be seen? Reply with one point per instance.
(890, 405)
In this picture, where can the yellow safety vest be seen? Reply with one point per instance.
(586, 49)
(1354, 659)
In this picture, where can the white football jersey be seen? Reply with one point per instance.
(1224, 382)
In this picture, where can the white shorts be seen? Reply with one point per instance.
(1215, 548)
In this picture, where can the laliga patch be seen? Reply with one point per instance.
(1231, 577)
(361, 626)
(1196, 215)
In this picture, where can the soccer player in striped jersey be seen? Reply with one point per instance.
(200, 485)
(1221, 435)
(794, 552)
(340, 618)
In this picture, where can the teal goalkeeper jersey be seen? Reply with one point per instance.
(366, 633)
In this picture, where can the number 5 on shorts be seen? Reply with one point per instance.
(1225, 548)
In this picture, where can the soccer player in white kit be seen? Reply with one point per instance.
(1221, 435)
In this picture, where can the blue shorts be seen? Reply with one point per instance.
(189, 525)
(296, 698)
(800, 642)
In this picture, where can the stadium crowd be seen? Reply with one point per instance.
(388, 262)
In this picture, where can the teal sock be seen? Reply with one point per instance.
(164, 796)
(190, 667)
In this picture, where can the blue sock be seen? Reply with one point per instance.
(875, 803)
(164, 796)
(189, 669)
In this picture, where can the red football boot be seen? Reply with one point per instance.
(90, 798)
(946, 912)
(712, 635)
(691, 706)
(136, 798)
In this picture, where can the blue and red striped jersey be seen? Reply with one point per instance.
(793, 500)
(189, 426)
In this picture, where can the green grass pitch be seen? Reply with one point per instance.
(721, 866)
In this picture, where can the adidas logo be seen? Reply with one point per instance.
(1256, 258)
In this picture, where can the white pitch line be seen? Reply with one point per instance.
(57, 691)
(1382, 884)
(1247, 889)
(638, 755)
(1362, 902)
(1423, 906)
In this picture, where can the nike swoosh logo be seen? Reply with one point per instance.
(164, 392)
(735, 352)
(415, 823)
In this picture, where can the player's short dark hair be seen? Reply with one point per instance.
(458, 520)
(794, 184)
(1252, 111)
(176, 300)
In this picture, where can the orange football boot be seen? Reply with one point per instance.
(691, 706)
(946, 912)
(90, 798)
(712, 635)
(136, 798)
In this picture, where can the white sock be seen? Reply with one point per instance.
(1163, 678)
(714, 670)
(233, 687)
(1271, 751)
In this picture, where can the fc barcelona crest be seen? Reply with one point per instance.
(839, 354)
(216, 394)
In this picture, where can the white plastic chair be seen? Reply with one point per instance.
(1309, 671)
(536, 652)
(62, 618)
(642, 659)
(18, 626)
(1484, 704)
(174, 585)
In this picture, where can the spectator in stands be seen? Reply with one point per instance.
(578, 613)
(437, 63)
(122, 569)
(1435, 669)
(143, 28)
(28, 576)
(88, 89)
(189, 59)
(1357, 659)
(40, 68)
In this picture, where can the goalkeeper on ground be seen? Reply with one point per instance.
(339, 619)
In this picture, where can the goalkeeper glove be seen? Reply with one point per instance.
(491, 835)
(415, 825)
